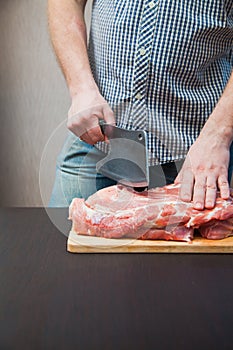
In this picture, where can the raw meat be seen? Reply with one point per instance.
(118, 211)
(217, 229)
(170, 233)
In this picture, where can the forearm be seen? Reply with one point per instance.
(68, 35)
(69, 38)
(221, 119)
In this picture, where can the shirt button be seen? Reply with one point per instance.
(139, 96)
(142, 51)
(151, 4)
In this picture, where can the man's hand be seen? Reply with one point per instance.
(87, 108)
(204, 171)
(69, 37)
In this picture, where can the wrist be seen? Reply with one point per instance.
(84, 84)
(219, 130)
(219, 125)
(223, 118)
(225, 134)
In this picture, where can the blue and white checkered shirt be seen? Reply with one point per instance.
(162, 65)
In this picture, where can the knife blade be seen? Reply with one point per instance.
(127, 160)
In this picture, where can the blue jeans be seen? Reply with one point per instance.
(76, 172)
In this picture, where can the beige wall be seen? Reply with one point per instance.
(33, 102)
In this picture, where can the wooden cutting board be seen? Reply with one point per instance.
(86, 244)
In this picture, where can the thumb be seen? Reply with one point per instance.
(178, 178)
(109, 116)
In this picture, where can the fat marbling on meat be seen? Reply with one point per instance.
(118, 211)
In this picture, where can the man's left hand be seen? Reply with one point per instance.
(205, 171)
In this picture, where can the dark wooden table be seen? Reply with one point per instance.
(51, 299)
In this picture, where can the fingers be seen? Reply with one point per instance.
(205, 190)
(199, 192)
(211, 190)
(204, 172)
(86, 124)
(224, 186)
(108, 115)
(178, 178)
(186, 178)
(86, 138)
(202, 190)
(86, 128)
(95, 135)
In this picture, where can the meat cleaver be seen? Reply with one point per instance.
(126, 161)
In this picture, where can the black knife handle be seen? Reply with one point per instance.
(101, 125)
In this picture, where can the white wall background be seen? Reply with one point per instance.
(33, 101)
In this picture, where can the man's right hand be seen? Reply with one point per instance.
(69, 37)
(87, 108)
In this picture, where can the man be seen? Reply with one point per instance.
(168, 64)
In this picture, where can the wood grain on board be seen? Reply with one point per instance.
(89, 244)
